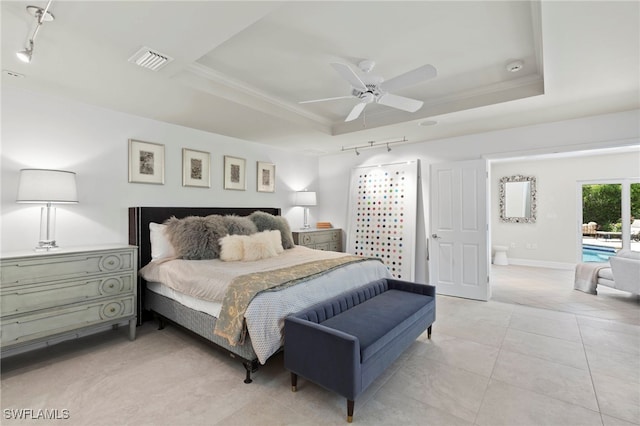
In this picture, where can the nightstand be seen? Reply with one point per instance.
(319, 239)
(61, 294)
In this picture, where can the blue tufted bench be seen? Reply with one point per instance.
(345, 343)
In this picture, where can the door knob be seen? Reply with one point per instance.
(434, 236)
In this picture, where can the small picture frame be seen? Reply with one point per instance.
(196, 168)
(266, 177)
(146, 162)
(235, 173)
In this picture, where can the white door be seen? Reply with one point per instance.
(459, 256)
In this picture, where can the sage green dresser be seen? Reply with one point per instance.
(55, 295)
(319, 239)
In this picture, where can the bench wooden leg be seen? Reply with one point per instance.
(350, 404)
(429, 332)
(294, 382)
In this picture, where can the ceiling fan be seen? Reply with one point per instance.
(372, 88)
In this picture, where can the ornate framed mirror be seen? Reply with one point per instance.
(518, 199)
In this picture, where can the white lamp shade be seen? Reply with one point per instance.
(305, 198)
(47, 186)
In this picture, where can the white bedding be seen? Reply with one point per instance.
(265, 314)
(210, 308)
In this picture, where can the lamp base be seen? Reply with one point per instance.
(47, 229)
(306, 219)
(47, 246)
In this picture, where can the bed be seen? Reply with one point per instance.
(264, 316)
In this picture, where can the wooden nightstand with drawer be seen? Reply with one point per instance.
(319, 239)
(63, 293)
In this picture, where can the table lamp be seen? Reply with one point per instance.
(48, 187)
(305, 199)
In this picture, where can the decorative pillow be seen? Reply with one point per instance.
(232, 247)
(237, 225)
(196, 237)
(261, 245)
(266, 222)
(275, 239)
(258, 246)
(161, 248)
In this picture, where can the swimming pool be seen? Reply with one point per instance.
(591, 253)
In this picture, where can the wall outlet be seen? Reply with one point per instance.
(531, 246)
(514, 245)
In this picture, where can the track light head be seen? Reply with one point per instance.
(26, 54)
(357, 152)
(388, 148)
(41, 15)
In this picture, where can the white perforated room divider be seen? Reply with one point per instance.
(382, 215)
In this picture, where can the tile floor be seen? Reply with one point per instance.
(538, 353)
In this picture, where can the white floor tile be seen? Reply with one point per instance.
(509, 405)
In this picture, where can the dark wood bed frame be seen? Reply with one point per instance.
(139, 219)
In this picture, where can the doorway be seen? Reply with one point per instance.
(609, 218)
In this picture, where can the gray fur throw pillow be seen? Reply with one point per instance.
(196, 237)
(237, 225)
(268, 222)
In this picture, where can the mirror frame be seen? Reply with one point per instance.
(517, 178)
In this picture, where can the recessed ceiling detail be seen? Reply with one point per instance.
(241, 69)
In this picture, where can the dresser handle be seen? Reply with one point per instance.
(111, 263)
(112, 310)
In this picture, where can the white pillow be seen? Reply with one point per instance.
(248, 248)
(259, 246)
(275, 237)
(232, 247)
(161, 247)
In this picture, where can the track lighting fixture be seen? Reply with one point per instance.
(41, 15)
(374, 144)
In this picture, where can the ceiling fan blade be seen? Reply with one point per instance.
(347, 73)
(356, 111)
(410, 78)
(326, 99)
(400, 102)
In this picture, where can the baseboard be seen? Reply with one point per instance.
(542, 264)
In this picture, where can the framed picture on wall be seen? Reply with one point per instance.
(266, 177)
(196, 168)
(235, 173)
(146, 162)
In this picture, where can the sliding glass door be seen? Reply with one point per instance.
(610, 218)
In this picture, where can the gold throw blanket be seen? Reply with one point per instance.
(243, 289)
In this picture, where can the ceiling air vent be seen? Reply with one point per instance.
(150, 59)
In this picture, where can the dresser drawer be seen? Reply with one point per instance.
(18, 329)
(320, 239)
(31, 297)
(63, 267)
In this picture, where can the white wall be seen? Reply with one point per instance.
(45, 132)
(554, 233)
(593, 132)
